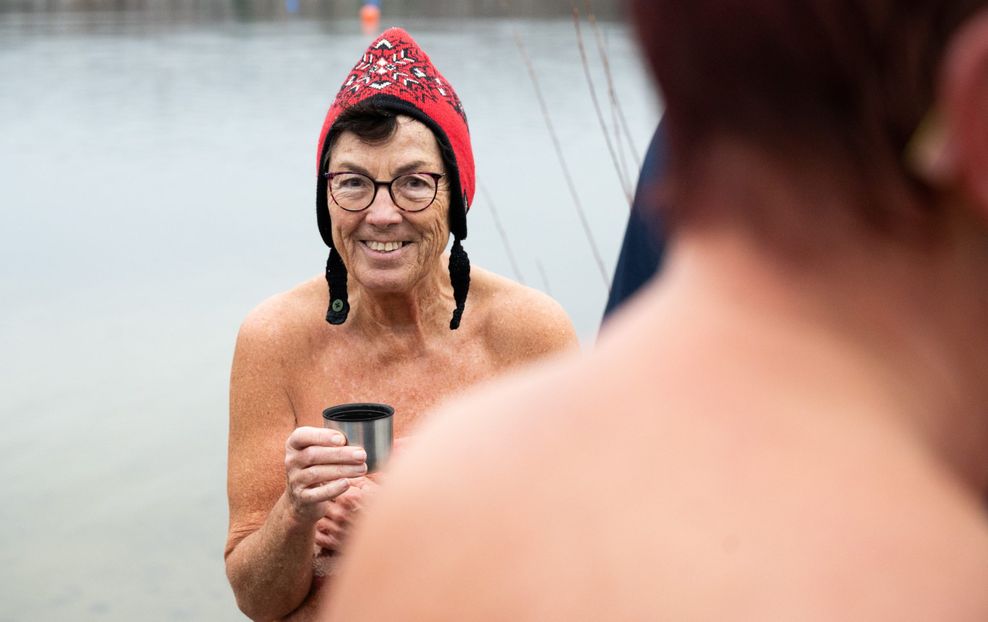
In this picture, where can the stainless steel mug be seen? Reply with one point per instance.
(366, 425)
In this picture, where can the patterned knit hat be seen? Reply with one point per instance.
(395, 74)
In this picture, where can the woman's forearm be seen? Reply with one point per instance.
(271, 569)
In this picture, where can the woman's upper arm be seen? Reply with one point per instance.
(261, 418)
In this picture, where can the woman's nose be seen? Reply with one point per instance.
(383, 211)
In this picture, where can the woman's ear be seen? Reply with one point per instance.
(963, 106)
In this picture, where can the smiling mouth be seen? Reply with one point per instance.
(383, 247)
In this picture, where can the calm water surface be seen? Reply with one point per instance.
(156, 183)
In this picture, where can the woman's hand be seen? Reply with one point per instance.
(317, 465)
(332, 529)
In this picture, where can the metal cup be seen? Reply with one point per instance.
(365, 425)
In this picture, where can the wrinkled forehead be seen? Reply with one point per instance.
(411, 142)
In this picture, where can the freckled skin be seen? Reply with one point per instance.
(395, 347)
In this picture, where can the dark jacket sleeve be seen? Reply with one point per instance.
(643, 246)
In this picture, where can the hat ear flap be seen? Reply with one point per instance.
(336, 275)
(322, 207)
(458, 219)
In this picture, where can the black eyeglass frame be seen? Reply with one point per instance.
(328, 176)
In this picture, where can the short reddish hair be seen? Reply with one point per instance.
(845, 82)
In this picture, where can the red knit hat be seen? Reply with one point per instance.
(397, 75)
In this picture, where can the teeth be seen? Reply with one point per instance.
(383, 247)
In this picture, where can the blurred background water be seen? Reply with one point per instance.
(156, 182)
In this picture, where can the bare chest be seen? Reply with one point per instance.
(412, 383)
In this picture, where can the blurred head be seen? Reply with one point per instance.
(827, 89)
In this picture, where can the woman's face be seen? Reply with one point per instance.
(386, 249)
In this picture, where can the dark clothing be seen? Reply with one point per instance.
(643, 246)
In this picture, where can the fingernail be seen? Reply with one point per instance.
(360, 454)
(338, 439)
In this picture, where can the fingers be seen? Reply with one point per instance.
(362, 489)
(364, 483)
(318, 494)
(352, 501)
(332, 529)
(305, 436)
(322, 474)
(315, 455)
(329, 528)
(336, 514)
(328, 542)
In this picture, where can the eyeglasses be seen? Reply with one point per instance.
(355, 192)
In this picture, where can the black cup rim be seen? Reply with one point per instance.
(371, 411)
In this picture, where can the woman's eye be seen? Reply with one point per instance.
(416, 182)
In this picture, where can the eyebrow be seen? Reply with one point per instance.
(416, 166)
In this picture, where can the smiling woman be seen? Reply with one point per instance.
(393, 326)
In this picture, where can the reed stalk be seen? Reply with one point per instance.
(622, 175)
(612, 92)
(501, 232)
(577, 205)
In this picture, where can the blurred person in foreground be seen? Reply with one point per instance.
(395, 179)
(792, 424)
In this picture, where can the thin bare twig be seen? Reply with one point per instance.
(501, 232)
(622, 176)
(620, 144)
(612, 92)
(562, 162)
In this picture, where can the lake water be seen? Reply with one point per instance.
(155, 184)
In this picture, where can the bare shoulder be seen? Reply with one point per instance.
(270, 339)
(282, 318)
(519, 322)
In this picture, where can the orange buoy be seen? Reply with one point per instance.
(370, 17)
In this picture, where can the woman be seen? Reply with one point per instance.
(395, 180)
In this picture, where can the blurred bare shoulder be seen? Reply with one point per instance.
(519, 322)
(538, 506)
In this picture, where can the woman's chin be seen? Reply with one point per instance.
(384, 282)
